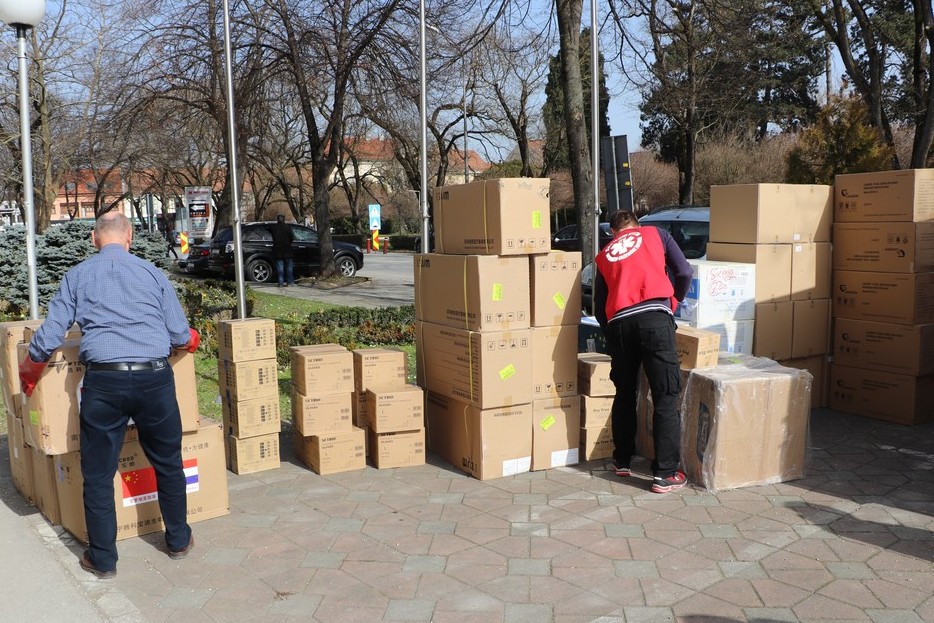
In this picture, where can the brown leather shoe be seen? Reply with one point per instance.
(178, 554)
(90, 568)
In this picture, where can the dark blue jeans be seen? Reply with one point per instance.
(646, 340)
(108, 399)
(288, 274)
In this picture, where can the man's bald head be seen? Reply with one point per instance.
(112, 228)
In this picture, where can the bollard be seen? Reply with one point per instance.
(368, 243)
(384, 242)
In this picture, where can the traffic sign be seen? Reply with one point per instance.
(375, 222)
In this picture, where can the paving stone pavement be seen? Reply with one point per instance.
(854, 541)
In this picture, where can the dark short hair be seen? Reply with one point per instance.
(280, 218)
(622, 219)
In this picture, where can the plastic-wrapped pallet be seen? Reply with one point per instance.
(745, 422)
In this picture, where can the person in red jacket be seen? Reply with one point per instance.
(641, 276)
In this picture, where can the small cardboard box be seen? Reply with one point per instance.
(556, 426)
(596, 443)
(493, 217)
(697, 348)
(473, 292)
(20, 459)
(401, 409)
(246, 339)
(903, 195)
(359, 408)
(556, 288)
(254, 454)
(51, 421)
(745, 423)
(735, 336)
(810, 271)
(322, 369)
(719, 292)
(135, 496)
(773, 330)
(896, 348)
(554, 361)
(884, 297)
(486, 370)
(332, 452)
(251, 418)
(246, 380)
(882, 395)
(773, 266)
(379, 368)
(322, 413)
(11, 334)
(397, 449)
(186, 388)
(486, 444)
(45, 493)
(810, 333)
(593, 374)
(898, 247)
(770, 213)
(596, 411)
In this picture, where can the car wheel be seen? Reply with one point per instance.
(346, 266)
(259, 271)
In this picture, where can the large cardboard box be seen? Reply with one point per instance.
(401, 409)
(358, 405)
(254, 454)
(554, 361)
(810, 271)
(905, 195)
(332, 452)
(486, 370)
(556, 288)
(493, 217)
(745, 423)
(45, 493)
(884, 297)
(645, 413)
(810, 333)
(322, 369)
(593, 374)
(719, 292)
(773, 266)
(770, 213)
(135, 496)
(697, 348)
(819, 368)
(186, 388)
(246, 339)
(898, 247)
(596, 411)
(735, 336)
(473, 292)
(11, 334)
(882, 395)
(397, 449)
(379, 368)
(322, 413)
(896, 348)
(596, 443)
(488, 443)
(51, 415)
(556, 426)
(245, 380)
(773, 331)
(251, 418)
(20, 459)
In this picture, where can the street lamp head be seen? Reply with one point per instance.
(22, 12)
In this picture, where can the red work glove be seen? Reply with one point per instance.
(193, 343)
(29, 373)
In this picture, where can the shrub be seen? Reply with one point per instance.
(208, 302)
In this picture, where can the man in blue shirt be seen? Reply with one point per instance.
(130, 319)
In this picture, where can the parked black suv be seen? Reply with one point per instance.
(258, 260)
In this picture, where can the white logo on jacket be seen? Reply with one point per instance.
(624, 246)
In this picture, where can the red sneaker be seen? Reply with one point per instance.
(669, 483)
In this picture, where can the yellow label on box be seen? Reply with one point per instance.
(548, 422)
(536, 219)
(558, 298)
(507, 372)
(497, 292)
(34, 418)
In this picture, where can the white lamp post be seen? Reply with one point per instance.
(23, 15)
(423, 122)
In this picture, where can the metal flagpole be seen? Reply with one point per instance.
(232, 164)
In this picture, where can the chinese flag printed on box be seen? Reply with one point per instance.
(139, 485)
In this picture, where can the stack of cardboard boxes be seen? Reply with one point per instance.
(596, 395)
(323, 433)
(44, 448)
(784, 230)
(247, 379)
(496, 331)
(883, 306)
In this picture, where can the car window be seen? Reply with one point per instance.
(224, 235)
(566, 233)
(302, 234)
(257, 234)
(605, 229)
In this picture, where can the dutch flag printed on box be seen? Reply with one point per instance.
(139, 485)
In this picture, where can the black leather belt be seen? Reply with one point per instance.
(155, 364)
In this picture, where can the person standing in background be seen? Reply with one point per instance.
(282, 251)
(634, 302)
(170, 239)
(130, 320)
